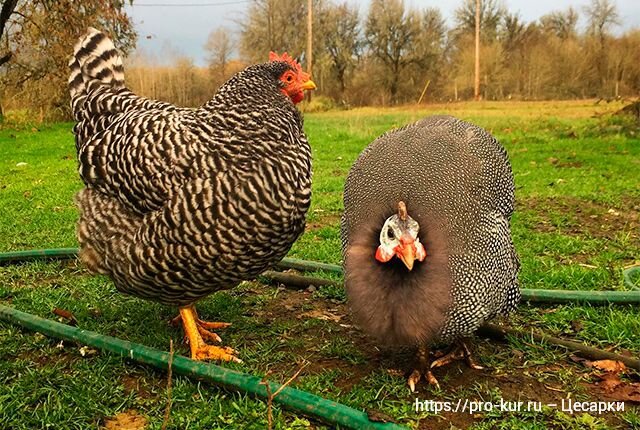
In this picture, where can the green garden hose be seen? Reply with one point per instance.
(530, 295)
(306, 403)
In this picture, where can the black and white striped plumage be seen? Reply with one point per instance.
(183, 202)
(457, 183)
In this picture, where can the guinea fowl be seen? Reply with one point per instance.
(426, 240)
(182, 202)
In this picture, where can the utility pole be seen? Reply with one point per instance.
(476, 89)
(309, 39)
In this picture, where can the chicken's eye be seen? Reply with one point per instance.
(289, 78)
(390, 234)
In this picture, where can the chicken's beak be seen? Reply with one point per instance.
(407, 254)
(308, 85)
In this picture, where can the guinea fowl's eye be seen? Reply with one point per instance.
(390, 234)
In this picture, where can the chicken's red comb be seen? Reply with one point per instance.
(286, 58)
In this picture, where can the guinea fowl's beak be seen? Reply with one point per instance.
(308, 85)
(406, 251)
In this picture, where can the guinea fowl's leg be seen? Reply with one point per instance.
(460, 351)
(422, 367)
(468, 356)
(200, 350)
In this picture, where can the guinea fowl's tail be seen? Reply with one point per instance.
(95, 61)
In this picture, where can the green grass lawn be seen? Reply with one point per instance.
(576, 226)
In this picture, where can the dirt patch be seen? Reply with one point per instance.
(323, 220)
(584, 217)
(127, 420)
(136, 384)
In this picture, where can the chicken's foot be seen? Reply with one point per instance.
(195, 329)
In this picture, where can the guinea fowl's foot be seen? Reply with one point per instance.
(196, 329)
(422, 368)
(415, 377)
(459, 352)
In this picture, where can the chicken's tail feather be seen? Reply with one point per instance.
(95, 61)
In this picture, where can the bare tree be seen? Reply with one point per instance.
(219, 46)
(491, 14)
(562, 24)
(391, 32)
(601, 16)
(341, 38)
(273, 25)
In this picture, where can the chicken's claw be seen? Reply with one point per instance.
(212, 352)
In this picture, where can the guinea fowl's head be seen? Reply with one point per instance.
(399, 237)
(293, 80)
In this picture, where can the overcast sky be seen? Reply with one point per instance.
(184, 28)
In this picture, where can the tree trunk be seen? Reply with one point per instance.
(7, 10)
(5, 58)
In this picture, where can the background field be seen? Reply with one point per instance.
(576, 227)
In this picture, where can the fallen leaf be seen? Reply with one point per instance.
(610, 365)
(377, 416)
(622, 391)
(609, 381)
(576, 325)
(66, 315)
(629, 393)
(127, 420)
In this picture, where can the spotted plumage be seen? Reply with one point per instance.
(182, 202)
(457, 183)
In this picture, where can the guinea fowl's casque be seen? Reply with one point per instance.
(183, 202)
(427, 247)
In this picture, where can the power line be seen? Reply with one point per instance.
(190, 4)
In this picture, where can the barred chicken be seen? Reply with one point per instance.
(427, 247)
(178, 202)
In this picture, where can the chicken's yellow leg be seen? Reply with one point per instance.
(194, 331)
